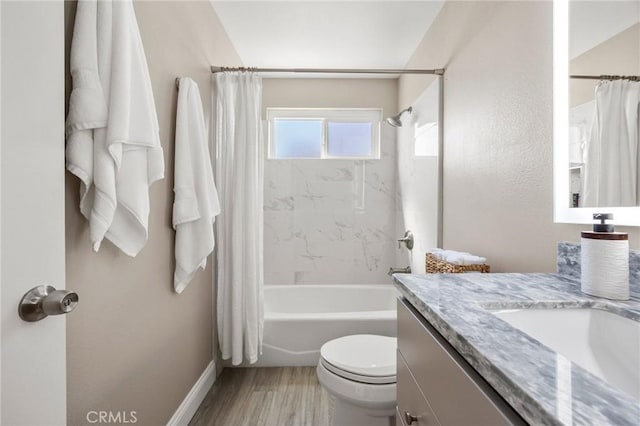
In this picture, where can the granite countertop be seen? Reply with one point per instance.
(532, 378)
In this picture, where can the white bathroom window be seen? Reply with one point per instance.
(324, 133)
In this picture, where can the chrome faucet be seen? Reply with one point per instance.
(406, 270)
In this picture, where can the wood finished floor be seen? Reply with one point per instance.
(287, 396)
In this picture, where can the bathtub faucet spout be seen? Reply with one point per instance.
(406, 270)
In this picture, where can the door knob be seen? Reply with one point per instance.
(45, 300)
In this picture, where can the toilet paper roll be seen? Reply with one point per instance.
(605, 268)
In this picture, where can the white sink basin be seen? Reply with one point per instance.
(603, 343)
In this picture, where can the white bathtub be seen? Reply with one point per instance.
(298, 319)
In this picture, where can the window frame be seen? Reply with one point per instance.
(326, 115)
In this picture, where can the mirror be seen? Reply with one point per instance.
(596, 111)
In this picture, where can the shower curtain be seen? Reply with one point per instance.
(611, 155)
(239, 174)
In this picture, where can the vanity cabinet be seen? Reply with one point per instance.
(436, 386)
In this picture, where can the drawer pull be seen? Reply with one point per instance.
(409, 419)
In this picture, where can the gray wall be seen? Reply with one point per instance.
(498, 144)
(133, 344)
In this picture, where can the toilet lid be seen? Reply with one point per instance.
(362, 355)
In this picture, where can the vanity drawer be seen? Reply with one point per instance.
(410, 399)
(457, 394)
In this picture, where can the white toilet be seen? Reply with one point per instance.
(359, 372)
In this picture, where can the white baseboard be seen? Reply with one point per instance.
(194, 398)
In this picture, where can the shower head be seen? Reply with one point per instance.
(395, 120)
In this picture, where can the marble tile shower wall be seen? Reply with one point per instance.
(330, 221)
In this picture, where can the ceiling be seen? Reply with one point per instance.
(326, 34)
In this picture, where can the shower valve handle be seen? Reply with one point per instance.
(407, 240)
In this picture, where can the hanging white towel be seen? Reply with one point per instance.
(113, 142)
(196, 199)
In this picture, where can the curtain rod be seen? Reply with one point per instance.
(438, 71)
(607, 77)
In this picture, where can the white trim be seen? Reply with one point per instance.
(194, 398)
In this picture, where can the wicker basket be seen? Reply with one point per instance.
(439, 266)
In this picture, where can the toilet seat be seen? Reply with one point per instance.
(363, 358)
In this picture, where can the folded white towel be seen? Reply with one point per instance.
(458, 257)
(113, 142)
(196, 199)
